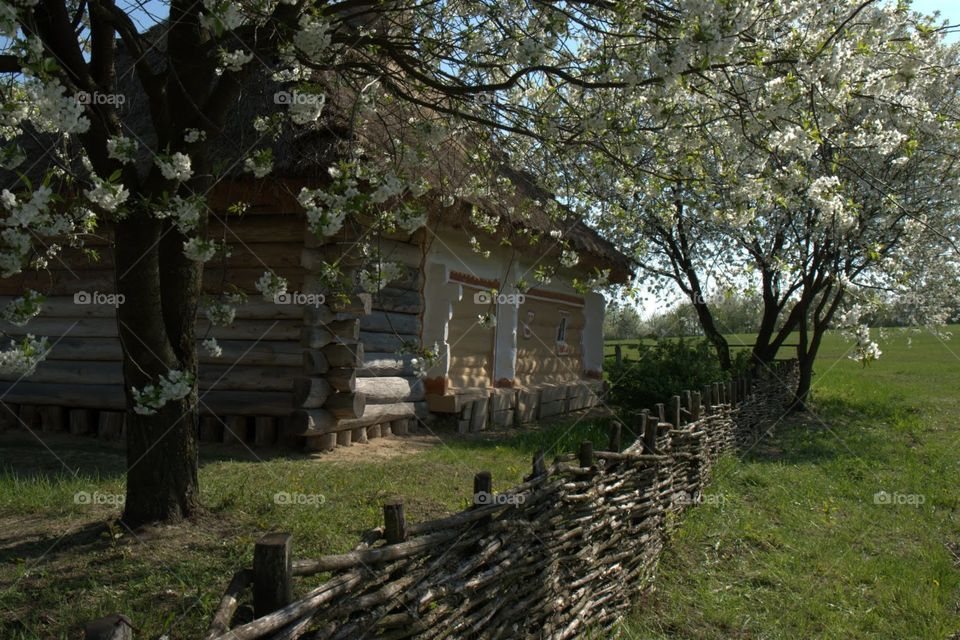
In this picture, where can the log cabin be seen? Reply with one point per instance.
(459, 335)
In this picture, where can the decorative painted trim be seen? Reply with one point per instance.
(472, 280)
(543, 294)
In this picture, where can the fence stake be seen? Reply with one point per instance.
(717, 398)
(649, 435)
(539, 466)
(616, 431)
(394, 522)
(695, 405)
(662, 411)
(618, 353)
(115, 626)
(707, 398)
(482, 488)
(586, 454)
(687, 396)
(272, 586)
(675, 412)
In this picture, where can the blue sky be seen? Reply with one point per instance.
(949, 10)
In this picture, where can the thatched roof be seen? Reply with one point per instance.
(305, 153)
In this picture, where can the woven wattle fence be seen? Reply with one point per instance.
(563, 552)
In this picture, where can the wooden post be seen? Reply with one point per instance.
(8, 416)
(110, 424)
(483, 491)
(51, 418)
(687, 396)
(675, 412)
(616, 432)
(661, 411)
(81, 421)
(394, 523)
(116, 626)
(649, 435)
(618, 353)
(695, 405)
(585, 454)
(732, 392)
(716, 400)
(264, 431)
(539, 466)
(272, 586)
(707, 398)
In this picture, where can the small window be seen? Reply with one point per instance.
(562, 330)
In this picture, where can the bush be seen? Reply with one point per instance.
(661, 371)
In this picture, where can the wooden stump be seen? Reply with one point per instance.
(344, 438)
(9, 419)
(264, 431)
(52, 418)
(272, 585)
(81, 422)
(110, 425)
(359, 435)
(29, 416)
(323, 442)
(211, 429)
(385, 430)
(373, 431)
(399, 427)
(235, 431)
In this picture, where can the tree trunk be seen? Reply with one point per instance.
(156, 327)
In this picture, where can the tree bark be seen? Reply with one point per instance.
(156, 328)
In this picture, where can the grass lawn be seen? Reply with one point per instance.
(797, 543)
(793, 546)
(63, 564)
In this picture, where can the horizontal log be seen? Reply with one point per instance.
(315, 337)
(317, 315)
(377, 413)
(342, 379)
(310, 393)
(398, 300)
(315, 363)
(269, 330)
(346, 404)
(275, 254)
(111, 397)
(220, 376)
(386, 364)
(344, 355)
(246, 352)
(390, 322)
(387, 342)
(389, 390)
(311, 422)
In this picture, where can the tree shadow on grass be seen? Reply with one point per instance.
(838, 429)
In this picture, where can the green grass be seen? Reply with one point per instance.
(796, 545)
(63, 564)
(793, 546)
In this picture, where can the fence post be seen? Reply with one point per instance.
(482, 488)
(675, 411)
(662, 411)
(649, 435)
(687, 396)
(586, 454)
(731, 393)
(539, 466)
(717, 398)
(272, 585)
(707, 398)
(694, 405)
(616, 431)
(618, 353)
(394, 522)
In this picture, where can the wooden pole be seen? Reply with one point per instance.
(585, 454)
(618, 353)
(539, 466)
(482, 488)
(394, 522)
(675, 412)
(649, 435)
(695, 405)
(616, 433)
(272, 586)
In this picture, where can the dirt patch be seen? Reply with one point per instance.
(381, 448)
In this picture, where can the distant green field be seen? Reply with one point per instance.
(799, 541)
(628, 348)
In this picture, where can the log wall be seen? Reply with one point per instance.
(261, 350)
(562, 555)
(539, 360)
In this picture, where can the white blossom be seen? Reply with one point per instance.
(175, 167)
(175, 385)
